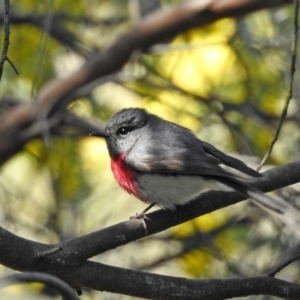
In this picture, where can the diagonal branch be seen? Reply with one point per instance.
(125, 232)
(153, 286)
(158, 27)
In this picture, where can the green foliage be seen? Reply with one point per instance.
(226, 81)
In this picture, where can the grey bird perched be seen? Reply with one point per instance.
(165, 164)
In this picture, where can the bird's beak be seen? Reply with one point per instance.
(100, 134)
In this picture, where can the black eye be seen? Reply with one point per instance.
(123, 130)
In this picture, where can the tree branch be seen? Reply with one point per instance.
(156, 28)
(290, 91)
(6, 21)
(125, 232)
(153, 286)
(283, 265)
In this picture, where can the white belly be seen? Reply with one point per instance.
(169, 190)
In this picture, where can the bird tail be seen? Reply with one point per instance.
(277, 207)
(274, 205)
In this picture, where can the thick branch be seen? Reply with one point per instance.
(153, 286)
(125, 232)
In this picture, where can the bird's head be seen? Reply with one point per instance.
(123, 130)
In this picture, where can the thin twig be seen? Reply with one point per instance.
(6, 35)
(6, 22)
(46, 136)
(290, 90)
(12, 65)
(49, 252)
(43, 47)
(283, 265)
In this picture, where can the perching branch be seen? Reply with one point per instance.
(154, 286)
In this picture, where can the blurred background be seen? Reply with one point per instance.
(227, 82)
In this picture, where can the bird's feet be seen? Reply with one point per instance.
(141, 215)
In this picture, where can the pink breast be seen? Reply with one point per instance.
(124, 176)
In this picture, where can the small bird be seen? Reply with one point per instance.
(165, 164)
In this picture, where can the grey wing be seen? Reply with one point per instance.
(184, 155)
(230, 161)
(174, 165)
(180, 152)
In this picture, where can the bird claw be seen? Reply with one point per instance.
(142, 216)
(139, 216)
